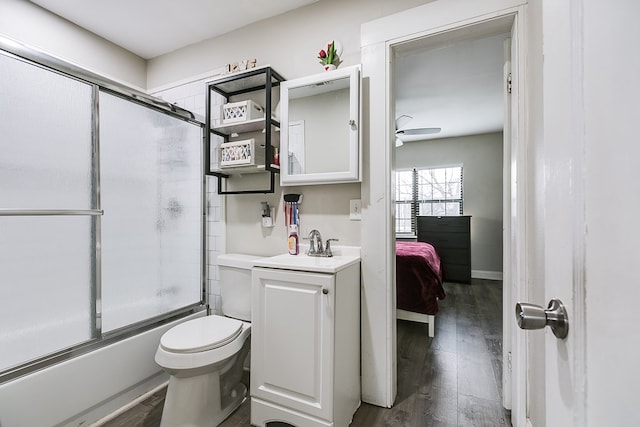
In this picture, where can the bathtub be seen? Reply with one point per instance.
(85, 389)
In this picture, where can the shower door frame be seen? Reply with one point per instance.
(35, 57)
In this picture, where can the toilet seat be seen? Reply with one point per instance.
(188, 360)
(201, 334)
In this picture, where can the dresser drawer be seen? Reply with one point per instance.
(456, 273)
(454, 255)
(444, 223)
(441, 239)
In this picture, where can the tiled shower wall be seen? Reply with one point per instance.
(191, 96)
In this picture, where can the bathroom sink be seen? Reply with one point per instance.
(343, 257)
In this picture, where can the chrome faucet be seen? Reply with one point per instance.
(315, 245)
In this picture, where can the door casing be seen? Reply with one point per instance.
(443, 20)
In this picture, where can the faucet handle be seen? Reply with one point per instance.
(328, 251)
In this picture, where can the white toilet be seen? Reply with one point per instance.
(204, 357)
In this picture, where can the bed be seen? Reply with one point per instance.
(418, 282)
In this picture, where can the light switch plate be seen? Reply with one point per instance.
(355, 207)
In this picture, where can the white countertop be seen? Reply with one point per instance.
(344, 256)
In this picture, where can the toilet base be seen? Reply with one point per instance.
(196, 401)
(208, 396)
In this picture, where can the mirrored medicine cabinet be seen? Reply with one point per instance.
(320, 122)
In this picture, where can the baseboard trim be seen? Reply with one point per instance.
(488, 275)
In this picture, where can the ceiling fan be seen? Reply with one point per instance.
(401, 121)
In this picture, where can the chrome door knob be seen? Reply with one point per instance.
(531, 316)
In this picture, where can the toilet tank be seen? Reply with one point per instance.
(235, 284)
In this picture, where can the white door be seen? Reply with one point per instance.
(585, 199)
(292, 340)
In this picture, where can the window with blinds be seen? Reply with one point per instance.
(427, 191)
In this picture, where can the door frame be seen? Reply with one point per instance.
(379, 38)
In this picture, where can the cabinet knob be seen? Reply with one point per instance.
(325, 291)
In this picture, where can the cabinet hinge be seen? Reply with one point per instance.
(509, 83)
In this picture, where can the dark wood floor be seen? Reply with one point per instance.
(453, 379)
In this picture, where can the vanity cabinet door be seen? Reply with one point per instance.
(292, 340)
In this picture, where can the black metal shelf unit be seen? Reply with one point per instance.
(257, 79)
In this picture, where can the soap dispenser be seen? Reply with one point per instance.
(294, 243)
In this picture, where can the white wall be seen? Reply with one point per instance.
(481, 157)
(289, 43)
(29, 24)
(610, 34)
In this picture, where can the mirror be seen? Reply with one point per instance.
(321, 116)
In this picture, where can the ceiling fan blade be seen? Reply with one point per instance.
(402, 120)
(418, 131)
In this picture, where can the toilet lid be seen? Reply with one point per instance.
(201, 334)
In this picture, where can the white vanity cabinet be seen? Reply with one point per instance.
(305, 346)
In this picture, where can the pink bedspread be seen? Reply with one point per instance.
(418, 277)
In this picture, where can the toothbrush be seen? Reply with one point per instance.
(293, 213)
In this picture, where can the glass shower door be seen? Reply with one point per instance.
(101, 215)
(151, 193)
(47, 208)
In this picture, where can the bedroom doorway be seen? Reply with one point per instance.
(437, 21)
(438, 85)
(500, 32)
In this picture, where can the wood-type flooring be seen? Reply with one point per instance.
(453, 379)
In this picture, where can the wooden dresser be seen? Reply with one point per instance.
(451, 237)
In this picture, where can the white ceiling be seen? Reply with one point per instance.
(455, 86)
(150, 28)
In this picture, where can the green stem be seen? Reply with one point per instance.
(330, 54)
